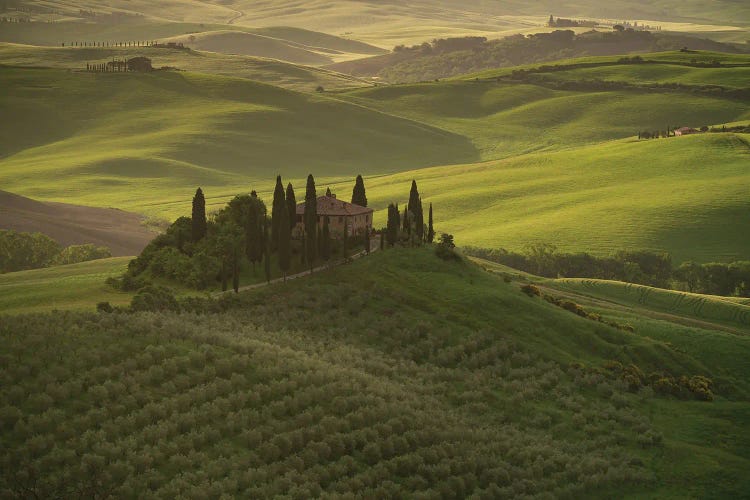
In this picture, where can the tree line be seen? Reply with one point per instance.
(202, 250)
(20, 251)
(641, 267)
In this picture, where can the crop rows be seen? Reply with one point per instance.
(158, 406)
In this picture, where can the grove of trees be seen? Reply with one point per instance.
(20, 251)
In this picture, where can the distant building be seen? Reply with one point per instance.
(685, 131)
(340, 214)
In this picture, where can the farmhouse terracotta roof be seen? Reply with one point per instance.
(329, 205)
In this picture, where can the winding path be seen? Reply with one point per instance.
(374, 247)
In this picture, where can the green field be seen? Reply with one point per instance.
(227, 135)
(722, 310)
(270, 71)
(410, 23)
(597, 199)
(396, 360)
(504, 120)
(73, 287)
(577, 194)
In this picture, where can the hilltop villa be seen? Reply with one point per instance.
(340, 214)
(685, 131)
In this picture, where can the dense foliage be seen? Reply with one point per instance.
(641, 267)
(20, 251)
(456, 56)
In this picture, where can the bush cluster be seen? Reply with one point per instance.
(20, 251)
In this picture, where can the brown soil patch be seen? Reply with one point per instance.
(122, 232)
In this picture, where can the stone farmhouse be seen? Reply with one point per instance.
(684, 131)
(340, 214)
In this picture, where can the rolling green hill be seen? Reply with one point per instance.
(396, 375)
(387, 26)
(504, 119)
(73, 287)
(598, 199)
(270, 71)
(105, 135)
(586, 196)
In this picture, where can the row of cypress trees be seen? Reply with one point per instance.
(410, 226)
(252, 217)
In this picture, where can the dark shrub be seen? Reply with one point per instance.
(154, 298)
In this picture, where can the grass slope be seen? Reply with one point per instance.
(399, 374)
(503, 120)
(597, 199)
(274, 72)
(101, 136)
(73, 287)
(715, 309)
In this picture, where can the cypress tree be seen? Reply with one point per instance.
(405, 221)
(392, 224)
(311, 222)
(285, 241)
(267, 249)
(359, 197)
(415, 209)
(430, 228)
(279, 204)
(325, 246)
(328, 192)
(200, 224)
(291, 203)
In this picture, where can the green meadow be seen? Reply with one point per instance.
(681, 195)
(271, 71)
(506, 165)
(73, 287)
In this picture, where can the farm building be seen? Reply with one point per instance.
(340, 214)
(685, 131)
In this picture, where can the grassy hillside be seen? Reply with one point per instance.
(734, 313)
(503, 119)
(598, 199)
(458, 56)
(409, 23)
(100, 136)
(73, 287)
(388, 379)
(280, 42)
(278, 73)
(241, 134)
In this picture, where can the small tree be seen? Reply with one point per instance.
(291, 203)
(430, 228)
(367, 241)
(200, 224)
(359, 196)
(267, 249)
(392, 224)
(311, 222)
(285, 241)
(279, 205)
(445, 249)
